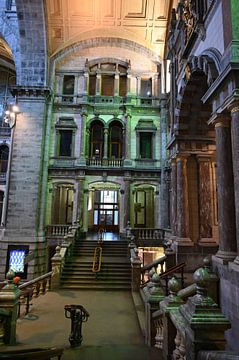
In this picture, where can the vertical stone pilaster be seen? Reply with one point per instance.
(80, 201)
(83, 136)
(235, 159)
(205, 200)
(182, 201)
(174, 197)
(225, 187)
(85, 207)
(86, 82)
(87, 143)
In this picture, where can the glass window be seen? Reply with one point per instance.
(145, 145)
(65, 143)
(92, 85)
(68, 84)
(146, 87)
(122, 85)
(107, 88)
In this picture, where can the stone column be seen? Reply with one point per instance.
(87, 143)
(98, 84)
(225, 190)
(126, 201)
(129, 77)
(106, 140)
(85, 210)
(80, 202)
(174, 196)
(182, 201)
(127, 142)
(116, 85)
(235, 160)
(86, 82)
(205, 200)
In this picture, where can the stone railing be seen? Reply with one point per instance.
(115, 163)
(57, 230)
(32, 289)
(63, 251)
(147, 234)
(183, 329)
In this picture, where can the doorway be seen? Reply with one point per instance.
(106, 210)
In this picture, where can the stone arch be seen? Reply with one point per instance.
(95, 118)
(116, 119)
(106, 42)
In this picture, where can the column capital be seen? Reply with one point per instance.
(234, 107)
(182, 157)
(220, 120)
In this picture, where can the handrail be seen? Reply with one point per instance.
(36, 280)
(97, 259)
(171, 271)
(33, 288)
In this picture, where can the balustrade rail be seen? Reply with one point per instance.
(160, 262)
(57, 230)
(32, 289)
(116, 163)
(146, 234)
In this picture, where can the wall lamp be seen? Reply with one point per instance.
(10, 115)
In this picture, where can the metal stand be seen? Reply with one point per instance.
(78, 315)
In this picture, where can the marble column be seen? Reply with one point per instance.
(182, 201)
(80, 202)
(235, 158)
(127, 202)
(205, 199)
(87, 143)
(106, 140)
(225, 190)
(173, 196)
(86, 82)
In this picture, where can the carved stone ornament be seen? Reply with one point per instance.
(189, 18)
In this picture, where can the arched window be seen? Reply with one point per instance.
(96, 140)
(115, 140)
(4, 152)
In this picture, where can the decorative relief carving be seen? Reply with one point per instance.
(189, 17)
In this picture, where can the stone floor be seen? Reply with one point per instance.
(111, 332)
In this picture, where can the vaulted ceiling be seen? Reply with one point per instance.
(141, 21)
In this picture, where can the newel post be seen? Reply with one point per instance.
(9, 299)
(56, 263)
(135, 271)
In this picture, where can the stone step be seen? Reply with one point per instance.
(104, 287)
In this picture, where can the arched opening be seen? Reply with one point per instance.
(196, 218)
(115, 150)
(96, 140)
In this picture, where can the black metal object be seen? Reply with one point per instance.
(78, 315)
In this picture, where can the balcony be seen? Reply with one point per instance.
(112, 163)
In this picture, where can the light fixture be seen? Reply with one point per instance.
(10, 114)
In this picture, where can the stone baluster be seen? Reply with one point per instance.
(48, 282)
(154, 296)
(41, 290)
(159, 333)
(35, 292)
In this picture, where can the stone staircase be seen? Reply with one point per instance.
(115, 271)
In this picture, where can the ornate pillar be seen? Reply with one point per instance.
(205, 189)
(80, 202)
(225, 189)
(129, 77)
(127, 142)
(106, 141)
(85, 210)
(182, 201)
(83, 136)
(235, 159)
(174, 197)
(127, 201)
